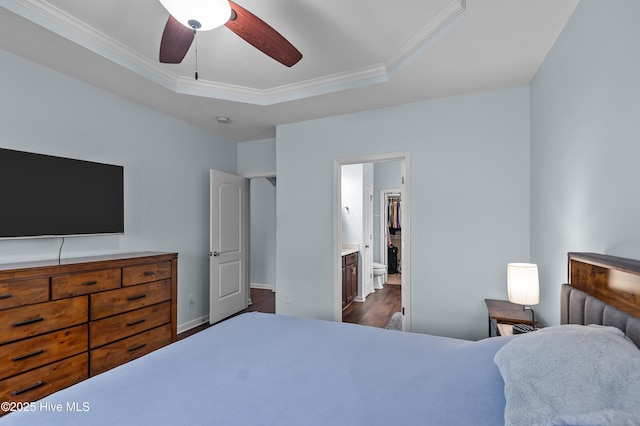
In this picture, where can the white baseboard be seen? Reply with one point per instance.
(263, 286)
(193, 324)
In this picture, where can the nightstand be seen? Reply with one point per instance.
(503, 314)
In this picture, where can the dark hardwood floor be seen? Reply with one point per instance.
(375, 311)
(261, 301)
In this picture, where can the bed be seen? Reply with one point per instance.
(273, 369)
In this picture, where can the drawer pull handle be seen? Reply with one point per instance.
(135, 348)
(91, 283)
(21, 357)
(140, 296)
(27, 389)
(148, 273)
(6, 296)
(140, 321)
(27, 322)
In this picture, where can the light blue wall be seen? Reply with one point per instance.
(585, 144)
(166, 165)
(470, 203)
(257, 157)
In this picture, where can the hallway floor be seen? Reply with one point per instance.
(394, 279)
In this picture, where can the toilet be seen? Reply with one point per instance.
(379, 275)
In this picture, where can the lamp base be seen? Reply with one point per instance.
(522, 328)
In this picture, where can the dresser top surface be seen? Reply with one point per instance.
(79, 260)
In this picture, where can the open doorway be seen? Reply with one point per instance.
(390, 241)
(262, 242)
(374, 302)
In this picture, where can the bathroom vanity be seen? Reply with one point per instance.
(349, 277)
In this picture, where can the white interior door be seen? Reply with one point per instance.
(367, 257)
(228, 245)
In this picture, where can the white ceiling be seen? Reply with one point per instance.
(357, 55)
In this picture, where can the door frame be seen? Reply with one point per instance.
(405, 169)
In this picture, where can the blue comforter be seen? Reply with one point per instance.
(264, 369)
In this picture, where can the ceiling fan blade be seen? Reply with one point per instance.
(176, 40)
(262, 36)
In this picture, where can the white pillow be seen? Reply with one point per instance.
(571, 374)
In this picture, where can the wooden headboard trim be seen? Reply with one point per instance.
(614, 280)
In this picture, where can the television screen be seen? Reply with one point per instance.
(42, 195)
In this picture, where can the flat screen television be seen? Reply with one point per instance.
(47, 196)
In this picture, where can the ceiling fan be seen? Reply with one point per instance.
(184, 21)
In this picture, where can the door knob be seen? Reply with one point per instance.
(216, 253)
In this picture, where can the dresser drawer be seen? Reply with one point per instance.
(140, 274)
(18, 293)
(31, 353)
(129, 298)
(117, 327)
(90, 282)
(114, 354)
(45, 380)
(31, 320)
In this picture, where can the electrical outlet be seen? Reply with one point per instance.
(191, 299)
(287, 298)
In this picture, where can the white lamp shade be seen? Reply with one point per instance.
(522, 283)
(209, 13)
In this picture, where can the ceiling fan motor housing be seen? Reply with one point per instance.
(207, 14)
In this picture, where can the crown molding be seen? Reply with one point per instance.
(429, 35)
(57, 21)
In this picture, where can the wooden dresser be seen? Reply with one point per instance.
(62, 322)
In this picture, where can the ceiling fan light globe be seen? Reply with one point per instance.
(209, 13)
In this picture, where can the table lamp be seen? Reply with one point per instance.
(524, 289)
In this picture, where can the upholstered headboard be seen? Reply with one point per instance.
(603, 290)
(577, 307)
